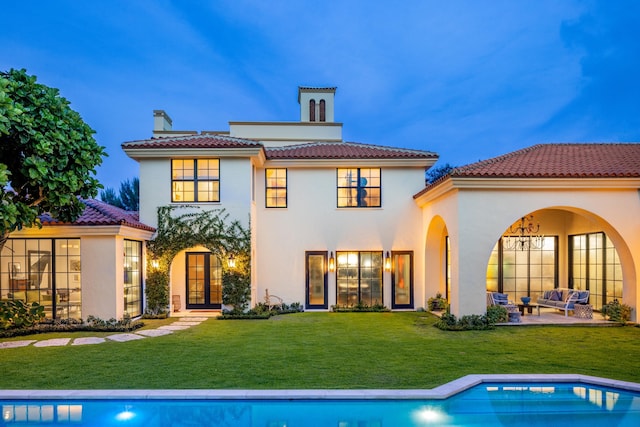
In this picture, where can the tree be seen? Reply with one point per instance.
(48, 155)
(128, 197)
(436, 173)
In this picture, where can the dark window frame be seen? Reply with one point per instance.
(358, 188)
(195, 181)
(324, 305)
(275, 188)
(208, 281)
(359, 275)
(394, 305)
(139, 284)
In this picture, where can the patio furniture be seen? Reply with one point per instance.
(529, 308)
(498, 298)
(563, 299)
(583, 311)
(272, 301)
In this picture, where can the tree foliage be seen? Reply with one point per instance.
(211, 229)
(128, 198)
(438, 172)
(48, 154)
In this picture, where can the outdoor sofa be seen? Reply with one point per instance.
(563, 299)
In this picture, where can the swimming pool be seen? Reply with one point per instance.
(539, 403)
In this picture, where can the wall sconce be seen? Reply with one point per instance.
(332, 262)
(387, 262)
(155, 264)
(232, 261)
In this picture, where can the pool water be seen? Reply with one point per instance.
(521, 404)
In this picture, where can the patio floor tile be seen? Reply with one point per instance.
(125, 337)
(54, 342)
(154, 332)
(14, 344)
(88, 340)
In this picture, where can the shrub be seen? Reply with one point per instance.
(469, 322)
(236, 291)
(157, 292)
(616, 312)
(18, 314)
(437, 303)
(360, 307)
(497, 314)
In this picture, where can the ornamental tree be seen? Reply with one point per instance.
(48, 155)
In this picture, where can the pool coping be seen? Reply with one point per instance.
(441, 392)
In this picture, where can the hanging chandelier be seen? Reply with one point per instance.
(523, 236)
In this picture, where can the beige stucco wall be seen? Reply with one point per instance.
(235, 189)
(312, 221)
(475, 219)
(286, 133)
(101, 257)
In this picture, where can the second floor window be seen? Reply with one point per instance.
(359, 188)
(195, 180)
(276, 188)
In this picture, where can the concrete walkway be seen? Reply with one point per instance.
(179, 325)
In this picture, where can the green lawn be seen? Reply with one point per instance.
(323, 350)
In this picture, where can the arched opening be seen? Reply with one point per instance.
(312, 110)
(323, 117)
(438, 272)
(575, 249)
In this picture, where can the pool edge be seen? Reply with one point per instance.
(441, 392)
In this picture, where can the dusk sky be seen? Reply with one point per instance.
(467, 79)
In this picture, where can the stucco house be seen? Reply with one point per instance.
(332, 222)
(91, 267)
(340, 223)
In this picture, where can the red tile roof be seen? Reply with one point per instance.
(344, 150)
(584, 160)
(313, 150)
(101, 213)
(193, 141)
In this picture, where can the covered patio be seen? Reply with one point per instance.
(551, 316)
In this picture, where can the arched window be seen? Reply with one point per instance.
(312, 110)
(322, 111)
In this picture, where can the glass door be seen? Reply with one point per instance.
(316, 281)
(204, 280)
(402, 279)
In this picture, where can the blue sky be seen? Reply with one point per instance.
(468, 79)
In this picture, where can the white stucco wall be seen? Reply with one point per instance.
(312, 221)
(284, 133)
(476, 218)
(235, 189)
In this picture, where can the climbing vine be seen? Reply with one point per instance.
(209, 228)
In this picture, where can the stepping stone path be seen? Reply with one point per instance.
(181, 324)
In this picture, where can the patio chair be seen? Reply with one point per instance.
(272, 301)
(498, 298)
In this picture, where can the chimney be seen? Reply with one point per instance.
(161, 121)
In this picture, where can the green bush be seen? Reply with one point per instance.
(157, 292)
(616, 312)
(360, 307)
(437, 303)
(497, 314)
(469, 322)
(18, 314)
(236, 291)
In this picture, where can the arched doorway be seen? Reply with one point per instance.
(577, 250)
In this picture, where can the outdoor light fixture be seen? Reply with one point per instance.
(332, 262)
(387, 262)
(155, 264)
(232, 261)
(523, 236)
